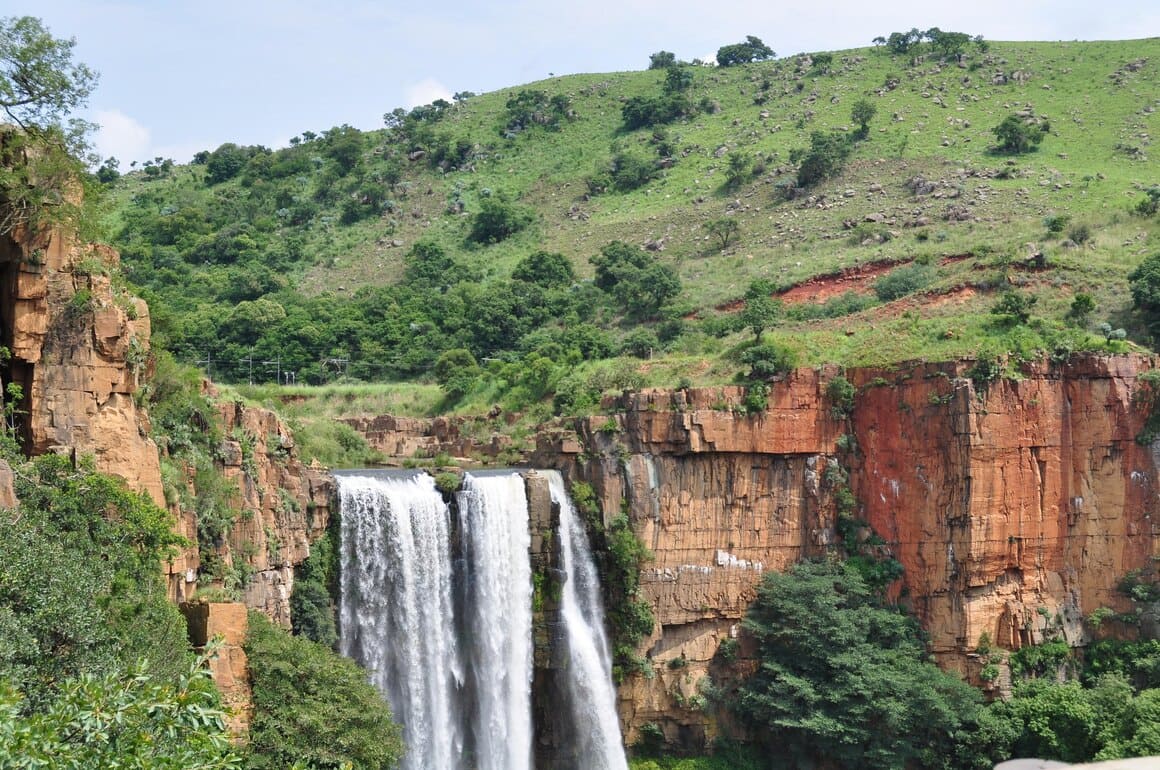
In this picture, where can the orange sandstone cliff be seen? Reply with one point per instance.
(1014, 507)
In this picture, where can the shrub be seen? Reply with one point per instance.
(824, 158)
(902, 281)
(496, 221)
(1019, 135)
(743, 53)
(768, 360)
(311, 705)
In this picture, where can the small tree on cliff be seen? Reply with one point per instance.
(40, 85)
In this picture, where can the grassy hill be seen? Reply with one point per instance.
(301, 255)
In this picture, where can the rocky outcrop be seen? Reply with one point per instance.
(1013, 506)
(78, 348)
(397, 438)
(222, 627)
(283, 504)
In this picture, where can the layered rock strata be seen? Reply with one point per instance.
(78, 351)
(1014, 506)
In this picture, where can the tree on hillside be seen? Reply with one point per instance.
(743, 53)
(1017, 135)
(761, 309)
(635, 278)
(40, 85)
(724, 229)
(862, 113)
(661, 60)
(1145, 285)
(824, 158)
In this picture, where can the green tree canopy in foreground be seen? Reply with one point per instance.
(846, 678)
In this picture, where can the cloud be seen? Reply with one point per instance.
(121, 137)
(425, 92)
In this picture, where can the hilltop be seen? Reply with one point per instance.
(371, 254)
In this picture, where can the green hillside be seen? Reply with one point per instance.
(370, 254)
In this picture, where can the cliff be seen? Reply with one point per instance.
(1014, 506)
(78, 348)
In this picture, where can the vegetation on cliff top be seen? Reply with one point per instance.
(368, 255)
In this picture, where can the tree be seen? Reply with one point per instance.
(825, 157)
(737, 170)
(121, 720)
(635, 278)
(40, 84)
(550, 270)
(761, 309)
(862, 112)
(845, 678)
(723, 228)
(496, 221)
(1144, 282)
(1018, 135)
(1014, 307)
(661, 60)
(743, 53)
(313, 706)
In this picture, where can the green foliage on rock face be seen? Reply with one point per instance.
(313, 706)
(846, 679)
(80, 581)
(312, 605)
(1068, 722)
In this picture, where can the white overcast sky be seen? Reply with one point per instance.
(178, 76)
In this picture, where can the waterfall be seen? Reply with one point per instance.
(495, 540)
(591, 696)
(396, 608)
(445, 630)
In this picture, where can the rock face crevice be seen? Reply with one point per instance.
(1014, 506)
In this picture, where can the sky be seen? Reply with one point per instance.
(180, 76)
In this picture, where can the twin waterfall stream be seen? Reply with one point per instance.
(439, 611)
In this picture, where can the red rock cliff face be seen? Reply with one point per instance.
(1014, 508)
(78, 350)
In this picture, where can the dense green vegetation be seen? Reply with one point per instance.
(94, 661)
(368, 255)
(313, 706)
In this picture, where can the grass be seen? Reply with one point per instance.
(935, 124)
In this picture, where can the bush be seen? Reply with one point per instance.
(743, 53)
(313, 706)
(768, 360)
(496, 221)
(1019, 135)
(903, 280)
(825, 157)
(845, 677)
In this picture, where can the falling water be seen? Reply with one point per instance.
(591, 696)
(449, 641)
(396, 608)
(494, 519)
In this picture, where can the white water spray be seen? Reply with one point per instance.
(396, 609)
(592, 697)
(493, 513)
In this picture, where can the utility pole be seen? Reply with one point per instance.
(208, 363)
(249, 361)
(277, 364)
